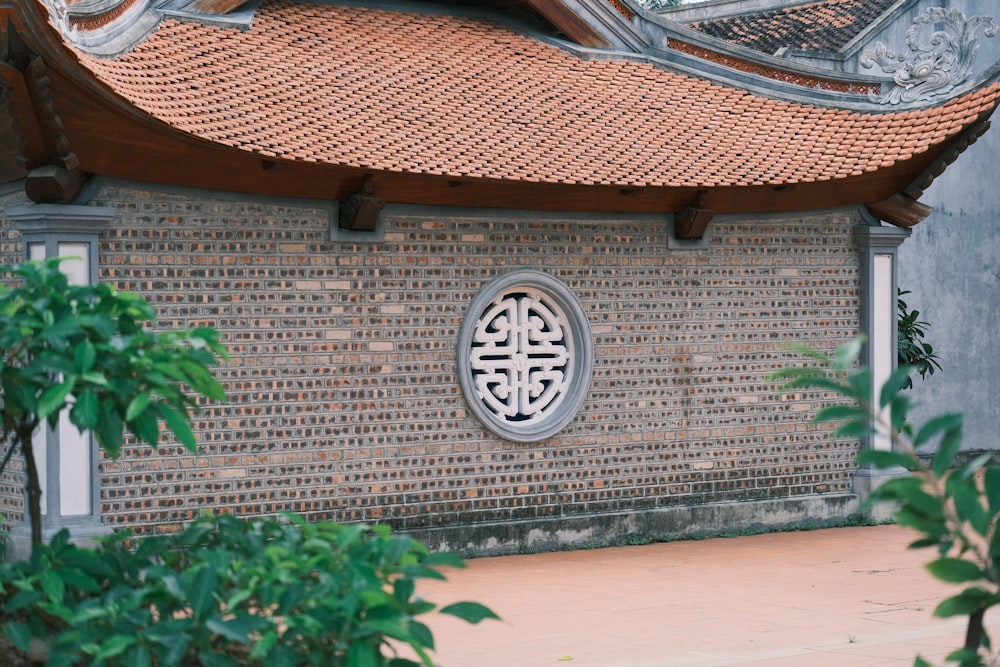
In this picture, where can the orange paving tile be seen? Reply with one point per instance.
(847, 597)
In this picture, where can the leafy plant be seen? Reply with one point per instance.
(85, 349)
(224, 592)
(911, 349)
(954, 508)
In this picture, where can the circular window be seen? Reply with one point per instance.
(525, 356)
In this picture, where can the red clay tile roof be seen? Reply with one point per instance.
(815, 26)
(464, 97)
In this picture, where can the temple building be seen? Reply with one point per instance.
(499, 274)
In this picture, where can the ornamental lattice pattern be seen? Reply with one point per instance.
(521, 356)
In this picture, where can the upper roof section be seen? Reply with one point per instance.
(438, 103)
(439, 94)
(885, 37)
(826, 25)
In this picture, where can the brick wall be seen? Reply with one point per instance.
(11, 481)
(343, 399)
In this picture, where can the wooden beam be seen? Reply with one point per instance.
(568, 22)
(218, 7)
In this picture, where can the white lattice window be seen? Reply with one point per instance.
(525, 356)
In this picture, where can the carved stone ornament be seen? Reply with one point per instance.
(525, 356)
(940, 47)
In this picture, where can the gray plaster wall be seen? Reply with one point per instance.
(893, 35)
(951, 263)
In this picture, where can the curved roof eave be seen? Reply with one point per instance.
(426, 101)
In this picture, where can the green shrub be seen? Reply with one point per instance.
(911, 349)
(223, 591)
(955, 509)
(89, 351)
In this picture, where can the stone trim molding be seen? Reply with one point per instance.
(525, 356)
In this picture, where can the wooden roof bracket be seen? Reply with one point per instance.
(54, 175)
(360, 211)
(14, 98)
(903, 209)
(900, 210)
(692, 221)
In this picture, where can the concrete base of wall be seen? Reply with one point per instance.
(502, 538)
(18, 545)
(866, 480)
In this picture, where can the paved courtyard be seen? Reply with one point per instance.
(844, 597)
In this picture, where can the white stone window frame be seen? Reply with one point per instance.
(67, 459)
(576, 344)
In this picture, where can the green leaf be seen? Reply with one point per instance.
(202, 591)
(403, 589)
(920, 662)
(948, 448)
(238, 629)
(53, 586)
(177, 422)
(209, 658)
(966, 658)
(75, 578)
(21, 600)
(85, 354)
(19, 635)
(109, 429)
(967, 506)
(899, 379)
(860, 382)
(886, 459)
(175, 645)
(99, 379)
(443, 559)
(137, 406)
(855, 429)
(137, 656)
(264, 645)
(955, 570)
(83, 414)
(820, 382)
(361, 654)
(421, 634)
(201, 380)
(403, 662)
(932, 526)
(965, 603)
(911, 493)
(113, 646)
(54, 398)
(146, 427)
(968, 470)
(838, 412)
(899, 410)
(848, 353)
(991, 486)
(937, 425)
(471, 612)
